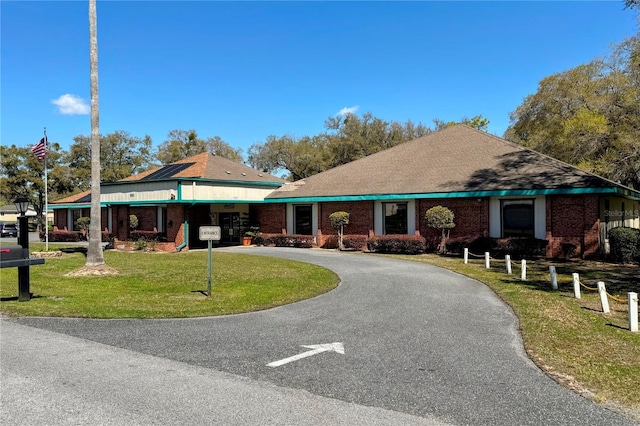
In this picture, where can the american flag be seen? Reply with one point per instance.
(40, 149)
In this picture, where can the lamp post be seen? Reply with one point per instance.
(22, 204)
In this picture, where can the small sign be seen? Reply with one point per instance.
(209, 233)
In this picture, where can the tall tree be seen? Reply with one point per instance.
(477, 122)
(588, 116)
(121, 155)
(95, 256)
(345, 139)
(22, 175)
(181, 144)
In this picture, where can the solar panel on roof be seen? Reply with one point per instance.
(168, 171)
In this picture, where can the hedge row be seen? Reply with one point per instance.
(350, 242)
(283, 240)
(515, 247)
(71, 237)
(404, 244)
(148, 236)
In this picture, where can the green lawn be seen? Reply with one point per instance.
(571, 339)
(161, 285)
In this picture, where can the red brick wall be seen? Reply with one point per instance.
(360, 218)
(146, 217)
(471, 218)
(573, 221)
(175, 224)
(271, 217)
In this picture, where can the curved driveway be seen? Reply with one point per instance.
(417, 340)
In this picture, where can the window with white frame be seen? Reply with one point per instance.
(303, 219)
(395, 218)
(517, 218)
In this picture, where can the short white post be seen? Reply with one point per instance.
(466, 255)
(576, 285)
(633, 311)
(507, 261)
(523, 274)
(554, 277)
(486, 260)
(602, 291)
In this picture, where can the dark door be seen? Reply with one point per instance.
(230, 224)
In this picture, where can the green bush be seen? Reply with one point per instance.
(283, 240)
(147, 236)
(516, 247)
(61, 237)
(401, 244)
(623, 243)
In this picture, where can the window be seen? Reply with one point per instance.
(395, 218)
(517, 218)
(77, 214)
(302, 215)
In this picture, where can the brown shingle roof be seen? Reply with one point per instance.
(456, 159)
(206, 166)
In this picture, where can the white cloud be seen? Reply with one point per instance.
(71, 104)
(348, 110)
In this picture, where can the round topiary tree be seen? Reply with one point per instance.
(441, 218)
(133, 222)
(338, 221)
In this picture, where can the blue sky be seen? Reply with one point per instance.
(247, 70)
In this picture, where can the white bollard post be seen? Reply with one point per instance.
(487, 260)
(523, 274)
(554, 277)
(602, 291)
(507, 261)
(466, 255)
(576, 285)
(633, 311)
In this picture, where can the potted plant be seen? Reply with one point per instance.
(249, 234)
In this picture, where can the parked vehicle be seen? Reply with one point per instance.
(8, 229)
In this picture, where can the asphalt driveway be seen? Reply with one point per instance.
(418, 341)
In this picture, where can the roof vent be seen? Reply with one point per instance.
(228, 172)
(260, 174)
(244, 174)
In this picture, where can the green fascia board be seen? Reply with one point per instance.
(465, 194)
(188, 180)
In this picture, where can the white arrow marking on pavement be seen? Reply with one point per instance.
(315, 349)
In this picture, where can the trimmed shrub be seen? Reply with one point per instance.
(401, 244)
(624, 244)
(147, 236)
(515, 247)
(354, 242)
(61, 237)
(283, 240)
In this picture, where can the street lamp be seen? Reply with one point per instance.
(22, 205)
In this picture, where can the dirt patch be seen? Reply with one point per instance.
(98, 270)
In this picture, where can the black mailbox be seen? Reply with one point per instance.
(11, 253)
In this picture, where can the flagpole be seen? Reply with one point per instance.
(46, 194)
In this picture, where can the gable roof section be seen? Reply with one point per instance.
(205, 166)
(456, 161)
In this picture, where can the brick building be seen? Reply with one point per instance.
(494, 187)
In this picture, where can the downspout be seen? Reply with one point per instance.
(186, 230)
(186, 236)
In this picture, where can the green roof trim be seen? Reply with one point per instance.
(465, 194)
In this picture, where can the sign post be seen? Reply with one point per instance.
(209, 234)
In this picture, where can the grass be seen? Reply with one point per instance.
(161, 285)
(571, 339)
